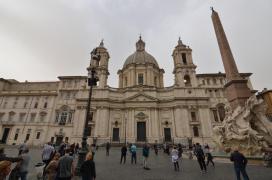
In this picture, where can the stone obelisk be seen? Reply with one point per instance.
(236, 88)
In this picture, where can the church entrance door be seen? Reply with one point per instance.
(115, 134)
(141, 131)
(167, 135)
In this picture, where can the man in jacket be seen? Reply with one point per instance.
(123, 153)
(240, 163)
(133, 149)
(145, 156)
(200, 157)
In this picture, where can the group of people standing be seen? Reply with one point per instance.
(60, 165)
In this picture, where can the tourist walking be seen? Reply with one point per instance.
(133, 150)
(107, 149)
(66, 167)
(5, 168)
(175, 158)
(52, 168)
(76, 148)
(240, 163)
(23, 164)
(167, 149)
(123, 154)
(47, 153)
(156, 148)
(145, 156)
(180, 151)
(209, 158)
(200, 157)
(87, 169)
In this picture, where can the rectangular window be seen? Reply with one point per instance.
(214, 81)
(45, 105)
(193, 116)
(32, 117)
(126, 82)
(155, 81)
(2, 116)
(5, 105)
(42, 117)
(203, 82)
(16, 134)
(38, 135)
(57, 118)
(11, 116)
(14, 104)
(184, 60)
(208, 81)
(195, 131)
(140, 79)
(25, 104)
(27, 137)
(22, 117)
(36, 105)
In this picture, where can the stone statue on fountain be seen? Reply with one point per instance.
(247, 127)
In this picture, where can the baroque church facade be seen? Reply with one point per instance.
(140, 110)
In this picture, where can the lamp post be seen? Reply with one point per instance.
(92, 81)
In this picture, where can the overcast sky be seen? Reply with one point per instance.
(43, 39)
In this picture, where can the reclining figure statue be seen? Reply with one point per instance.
(247, 127)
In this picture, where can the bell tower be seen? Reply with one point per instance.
(184, 68)
(102, 69)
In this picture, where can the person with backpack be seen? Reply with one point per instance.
(200, 157)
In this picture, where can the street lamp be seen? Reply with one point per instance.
(92, 81)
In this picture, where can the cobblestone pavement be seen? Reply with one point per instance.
(108, 168)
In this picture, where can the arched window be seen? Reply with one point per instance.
(187, 80)
(140, 79)
(195, 131)
(221, 112)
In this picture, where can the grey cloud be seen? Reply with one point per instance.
(41, 40)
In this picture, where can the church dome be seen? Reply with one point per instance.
(140, 56)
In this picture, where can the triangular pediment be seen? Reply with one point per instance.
(141, 97)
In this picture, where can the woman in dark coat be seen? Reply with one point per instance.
(87, 169)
